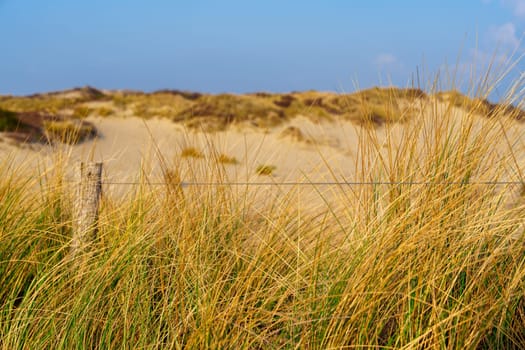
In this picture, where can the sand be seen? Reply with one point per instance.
(299, 151)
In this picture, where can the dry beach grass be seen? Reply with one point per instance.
(427, 254)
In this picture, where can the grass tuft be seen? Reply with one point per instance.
(81, 112)
(8, 121)
(104, 111)
(68, 132)
(266, 170)
(226, 159)
(425, 253)
(191, 152)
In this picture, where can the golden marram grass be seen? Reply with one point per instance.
(427, 253)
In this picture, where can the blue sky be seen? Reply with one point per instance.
(245, 46)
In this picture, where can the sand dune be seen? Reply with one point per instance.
(297, 149)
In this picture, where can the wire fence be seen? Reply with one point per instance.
(157, 182)
(322, 183)
(91, 182)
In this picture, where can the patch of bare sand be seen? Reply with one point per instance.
(131, 148)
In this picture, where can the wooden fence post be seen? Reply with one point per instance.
(86, 207)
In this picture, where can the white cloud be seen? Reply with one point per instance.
(386, 60)
(493, 57)
(517, 6)
(480, 69)
(484, 59)
(504, 36)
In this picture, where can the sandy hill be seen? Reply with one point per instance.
(297, 136)
(206, 112)
(391, 218)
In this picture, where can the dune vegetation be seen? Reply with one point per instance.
(428, 252)
(69, 132)
(207, 112)
(36, 127)
(8, 121)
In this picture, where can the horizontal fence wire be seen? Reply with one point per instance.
(346, 183)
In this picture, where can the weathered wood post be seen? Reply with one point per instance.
(86, 208)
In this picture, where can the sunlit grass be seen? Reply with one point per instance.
(226, 159)
(68, 132)
(435, 264)
(265, 169)
(191, 152)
